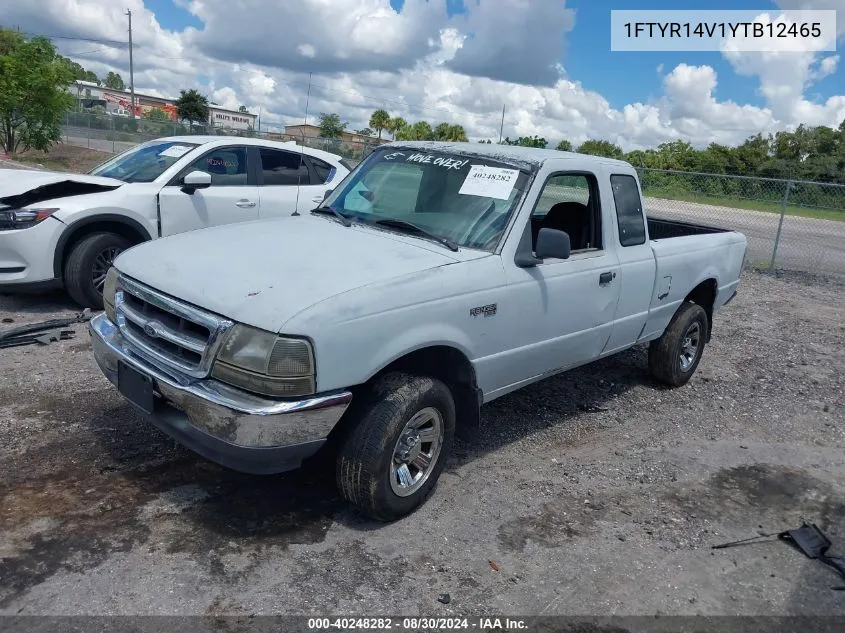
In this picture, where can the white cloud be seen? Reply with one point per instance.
(420, 64)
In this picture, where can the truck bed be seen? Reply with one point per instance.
(661, 229)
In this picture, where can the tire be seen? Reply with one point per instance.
(370, 458)
(89, 257)
(665, 360)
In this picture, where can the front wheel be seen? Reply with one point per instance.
(399, 443)
(673, 358)
(87, 264)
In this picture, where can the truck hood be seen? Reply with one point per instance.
(263, 273)
(22, 187)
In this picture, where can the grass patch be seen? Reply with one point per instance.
(751, 205)
(62, 157)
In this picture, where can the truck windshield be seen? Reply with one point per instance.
(467, 200)
(143, 163)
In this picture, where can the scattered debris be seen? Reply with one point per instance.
(44, 333)
(444, 598)
(494, 566)
(808, 539)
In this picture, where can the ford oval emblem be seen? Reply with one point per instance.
(151, 330)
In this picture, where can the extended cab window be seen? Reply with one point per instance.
(570, 203)
(629, 210)
(283, 168)
(227, 166)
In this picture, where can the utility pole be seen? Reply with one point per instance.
(502, 127)
(131, 67)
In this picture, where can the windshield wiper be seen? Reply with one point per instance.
(343, 219)
(413, 228)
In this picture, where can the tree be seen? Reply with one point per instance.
(157, 114)
(379, 121)
(331, 126)
(395, 124)
(114, 81)
(449, 132)
(33, 92)
(564, 146)
(191, 106)
(243, 109)
(364, 131)
(601, 148)
(527, 141)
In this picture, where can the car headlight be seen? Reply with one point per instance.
(12, 219)
(109, 290)
(265, 363)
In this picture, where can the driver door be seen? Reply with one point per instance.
(232, 197)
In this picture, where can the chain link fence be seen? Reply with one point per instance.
(115, 134)
(790, 224)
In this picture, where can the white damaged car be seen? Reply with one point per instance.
(64, 230)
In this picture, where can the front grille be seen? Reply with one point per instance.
(166, 330)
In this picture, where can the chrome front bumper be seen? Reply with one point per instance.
(226, 425)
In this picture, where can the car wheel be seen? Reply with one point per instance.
(674, 357)
(87, 264)
(399, 441)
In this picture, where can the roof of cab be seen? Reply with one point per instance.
(517, 154)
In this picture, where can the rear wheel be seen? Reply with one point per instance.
(87, 264)
(674, 357)
(400, 440)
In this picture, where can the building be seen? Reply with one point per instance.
(91, 95)
(352, 138)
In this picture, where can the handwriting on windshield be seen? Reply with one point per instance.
(441, 161)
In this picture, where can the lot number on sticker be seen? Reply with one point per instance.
(490, 182)
(175, 151)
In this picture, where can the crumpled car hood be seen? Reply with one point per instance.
(22, 187)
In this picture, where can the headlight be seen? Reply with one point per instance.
(11, 219)
(109, 290)
(265, 363)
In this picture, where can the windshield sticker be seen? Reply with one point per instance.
(394, 156)
(489, 182)
(440, 161)
(176, 151)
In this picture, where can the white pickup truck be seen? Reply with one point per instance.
(435, 278)
(64, 230)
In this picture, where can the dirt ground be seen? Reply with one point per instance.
(594, 492)
(61, 157)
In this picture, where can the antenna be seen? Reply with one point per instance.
(299, 173)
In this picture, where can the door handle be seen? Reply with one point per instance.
(606, 277)
(245, 204)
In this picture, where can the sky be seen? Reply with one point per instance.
(548, 63)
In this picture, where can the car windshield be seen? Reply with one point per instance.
(143, 163)
(466, 200)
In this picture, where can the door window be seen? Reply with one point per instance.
(283, 168)
(325, 172)
(227, 166)
(568, 204)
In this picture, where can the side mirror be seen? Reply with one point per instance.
(196, 180)
(327, 194)
(553, 243)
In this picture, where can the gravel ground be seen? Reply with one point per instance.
(594, 492)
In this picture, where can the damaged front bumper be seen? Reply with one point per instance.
(228, 426)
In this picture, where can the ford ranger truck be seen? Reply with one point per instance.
(433, 279)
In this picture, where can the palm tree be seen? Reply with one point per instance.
(394, 125)
(379, 120)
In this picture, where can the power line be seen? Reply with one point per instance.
(76, 38)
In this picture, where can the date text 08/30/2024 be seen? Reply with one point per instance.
(418, 623)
